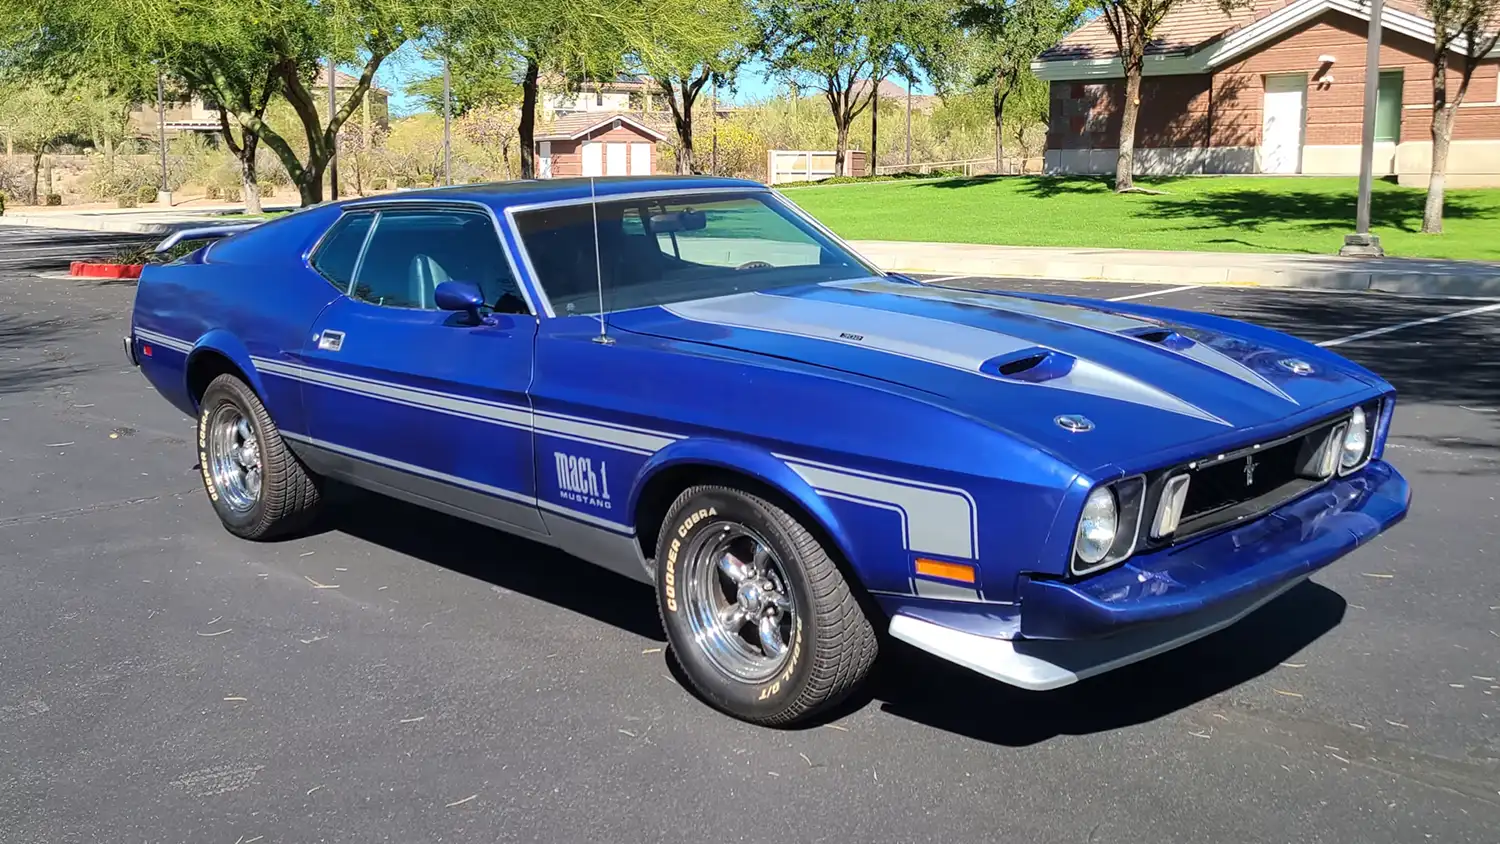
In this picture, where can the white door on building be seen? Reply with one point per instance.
(1282, 128)
(615, 159)
(640, 159)
(544, 160)
(593, 158)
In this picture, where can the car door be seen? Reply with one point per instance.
(416, 401)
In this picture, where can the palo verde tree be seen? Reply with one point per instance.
(688, 46)
(1470, 28)
(844, 48)
(565, 40)
(237, 54)
(38, 116)
(1001, 38)
(1133, 24)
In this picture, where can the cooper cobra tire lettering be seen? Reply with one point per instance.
(833, 643)
(289, 493)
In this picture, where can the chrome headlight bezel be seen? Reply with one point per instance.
(1128, 497)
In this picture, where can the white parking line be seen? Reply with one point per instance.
(944, 278)
(1376, 332)
(1154, 293)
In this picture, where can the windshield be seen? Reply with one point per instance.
(661, 250)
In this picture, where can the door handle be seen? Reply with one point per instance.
(330, 341)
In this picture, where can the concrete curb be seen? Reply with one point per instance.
(1411, 276)
(97, 224)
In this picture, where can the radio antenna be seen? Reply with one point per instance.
(598, 265)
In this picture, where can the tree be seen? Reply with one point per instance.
(38, 117)
(476, 79)
(237, 54)
(491, 128)
(1471, 28)
(1133, 24)
(1003, 36)
(695, 44)
(844, 48)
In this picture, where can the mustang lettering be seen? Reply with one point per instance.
(690, 382)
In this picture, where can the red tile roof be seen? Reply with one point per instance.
(568, 126)
(1188, 27)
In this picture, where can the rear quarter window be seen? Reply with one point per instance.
(337, 256)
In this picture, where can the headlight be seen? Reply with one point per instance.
(1098, 527)
(1356, 440)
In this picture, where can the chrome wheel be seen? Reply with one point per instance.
(234, 458)
(739, 606)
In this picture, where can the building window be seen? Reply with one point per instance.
(1388, 107)
(599, 97)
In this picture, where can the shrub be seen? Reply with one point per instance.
(53, 199)
(403, 181)
(146, 193)
(110, 177)
(267, 189)
(126, 201)
(377, 184)
(2, 203)
(213, 192)
(232, 194)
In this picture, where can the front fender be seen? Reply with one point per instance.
(744, 459)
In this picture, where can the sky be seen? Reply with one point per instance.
(406, 64)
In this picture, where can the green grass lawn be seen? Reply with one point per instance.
(1204, 214)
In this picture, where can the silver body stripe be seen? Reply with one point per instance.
(163, 340)
(946, 591)
(940, 342)
(499, 492)
(934, 518)
(1074, 315)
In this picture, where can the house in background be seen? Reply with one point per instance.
(596, 144)
(1277, 87)
(613, 96)
(198, 115)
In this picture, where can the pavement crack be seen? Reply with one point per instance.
(59, 515)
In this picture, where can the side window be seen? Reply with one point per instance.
(338, 254)
(412, 252)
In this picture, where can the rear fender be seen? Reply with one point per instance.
(221, 341)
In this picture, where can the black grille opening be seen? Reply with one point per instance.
(1243, 484)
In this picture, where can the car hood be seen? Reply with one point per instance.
(1018, 362)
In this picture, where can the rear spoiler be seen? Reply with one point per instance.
(204, 233)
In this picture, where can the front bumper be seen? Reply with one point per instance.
(1161, 601)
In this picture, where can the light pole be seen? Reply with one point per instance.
(333, 152)
(1362, 243)
(909, 83)
(447, 124)
(163, 192)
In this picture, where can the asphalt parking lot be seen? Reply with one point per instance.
(402, 676)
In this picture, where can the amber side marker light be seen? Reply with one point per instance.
(950, 571)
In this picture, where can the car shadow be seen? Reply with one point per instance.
(906, 683)
(918, 687)
(495, 557)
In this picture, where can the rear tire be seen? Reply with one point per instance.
(760, 618)
(259, 489)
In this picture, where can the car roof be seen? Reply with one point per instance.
(502, 195)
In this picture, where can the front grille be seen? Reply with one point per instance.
(1226, 489)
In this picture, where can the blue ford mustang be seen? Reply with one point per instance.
(690, 382)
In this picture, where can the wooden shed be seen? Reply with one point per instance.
(594, 144)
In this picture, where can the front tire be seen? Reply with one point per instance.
(759, 616)
(259, 489)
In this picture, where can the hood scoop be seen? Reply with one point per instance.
(1034, 365)
(1160, 336)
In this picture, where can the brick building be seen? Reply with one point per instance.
(595, 144)
(1277, 87)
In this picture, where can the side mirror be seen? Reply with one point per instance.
(460, 296)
